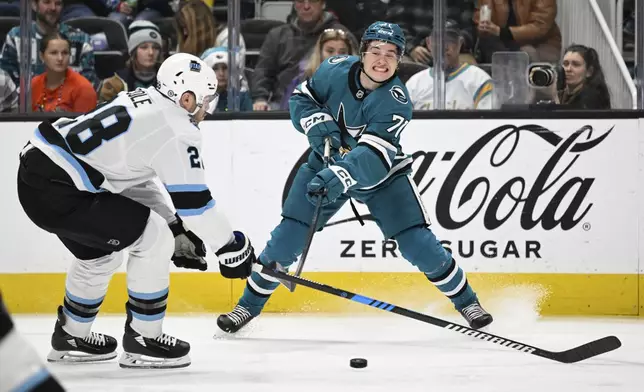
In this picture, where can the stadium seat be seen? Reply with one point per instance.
(254, 31)
(276, 10)
(7, 23)
(114, 30)
(168, 32)
(107, 62)
(408, 69)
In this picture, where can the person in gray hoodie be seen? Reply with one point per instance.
(284, 47)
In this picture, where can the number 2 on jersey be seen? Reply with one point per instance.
(89, 134)
(195, 161)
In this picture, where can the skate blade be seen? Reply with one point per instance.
(77, 357)
(138, 361)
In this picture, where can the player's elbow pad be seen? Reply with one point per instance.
(236, 258)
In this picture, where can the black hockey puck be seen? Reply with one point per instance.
(358, 363)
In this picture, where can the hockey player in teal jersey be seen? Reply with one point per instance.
(363, 107)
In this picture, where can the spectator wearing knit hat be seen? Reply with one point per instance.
(217, 59)
(144, 45)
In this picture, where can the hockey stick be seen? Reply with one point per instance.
(314, 223)
(573, 355)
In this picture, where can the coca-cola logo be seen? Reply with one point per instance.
(554, 198)
(505, 138)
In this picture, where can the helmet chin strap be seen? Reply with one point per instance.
(196, 110)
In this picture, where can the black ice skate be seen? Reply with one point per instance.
(67, 348)
(162, 352)
(233, 321)
(476, 316)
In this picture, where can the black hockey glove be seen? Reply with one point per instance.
(236, 259)
(189, 250)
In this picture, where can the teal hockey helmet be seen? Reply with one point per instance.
(384, 31)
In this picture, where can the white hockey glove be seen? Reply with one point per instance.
(236, 259)
(189, 250)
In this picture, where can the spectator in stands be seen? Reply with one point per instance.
(355, 15)
(525, 25)
(48, 21)
(332, 42)
(416, 18)
(585, 85)
(8, 93)
(466, 85)
(84, 8)
(217, 59)
(126, 11)
(60, 89)
(198, 31)
(283, 49)
(144, 44)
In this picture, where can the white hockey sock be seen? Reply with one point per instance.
(148, 277)
(85, 288)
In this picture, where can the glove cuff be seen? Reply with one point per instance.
(177, 226)
(344, 176)
(315, 119)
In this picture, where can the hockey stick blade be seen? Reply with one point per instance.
(288, 284)
(573, 355)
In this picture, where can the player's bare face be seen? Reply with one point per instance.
(56, 56)
(380, 61)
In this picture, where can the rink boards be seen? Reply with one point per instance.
(547, 209)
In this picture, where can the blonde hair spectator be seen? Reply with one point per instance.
(332, 42)
(196, 27)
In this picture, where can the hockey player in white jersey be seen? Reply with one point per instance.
(466, 86)
(90, 181)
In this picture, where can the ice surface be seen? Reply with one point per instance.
(312, 352)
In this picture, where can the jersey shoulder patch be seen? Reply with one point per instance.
(338, 59)
(399, 94)
(390, 98)
(338, 62)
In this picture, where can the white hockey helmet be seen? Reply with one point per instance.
(183, 72)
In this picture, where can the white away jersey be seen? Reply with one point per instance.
(124, 145)
(468, 87)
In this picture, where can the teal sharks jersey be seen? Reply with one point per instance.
(370, 122)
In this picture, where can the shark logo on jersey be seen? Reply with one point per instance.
(342, 124)
(399, 95)
(337, 59)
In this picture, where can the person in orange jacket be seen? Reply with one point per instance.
(60, 89)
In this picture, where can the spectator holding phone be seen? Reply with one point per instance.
(518, 25)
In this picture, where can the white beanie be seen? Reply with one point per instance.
(214, 56)
(142, 31)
